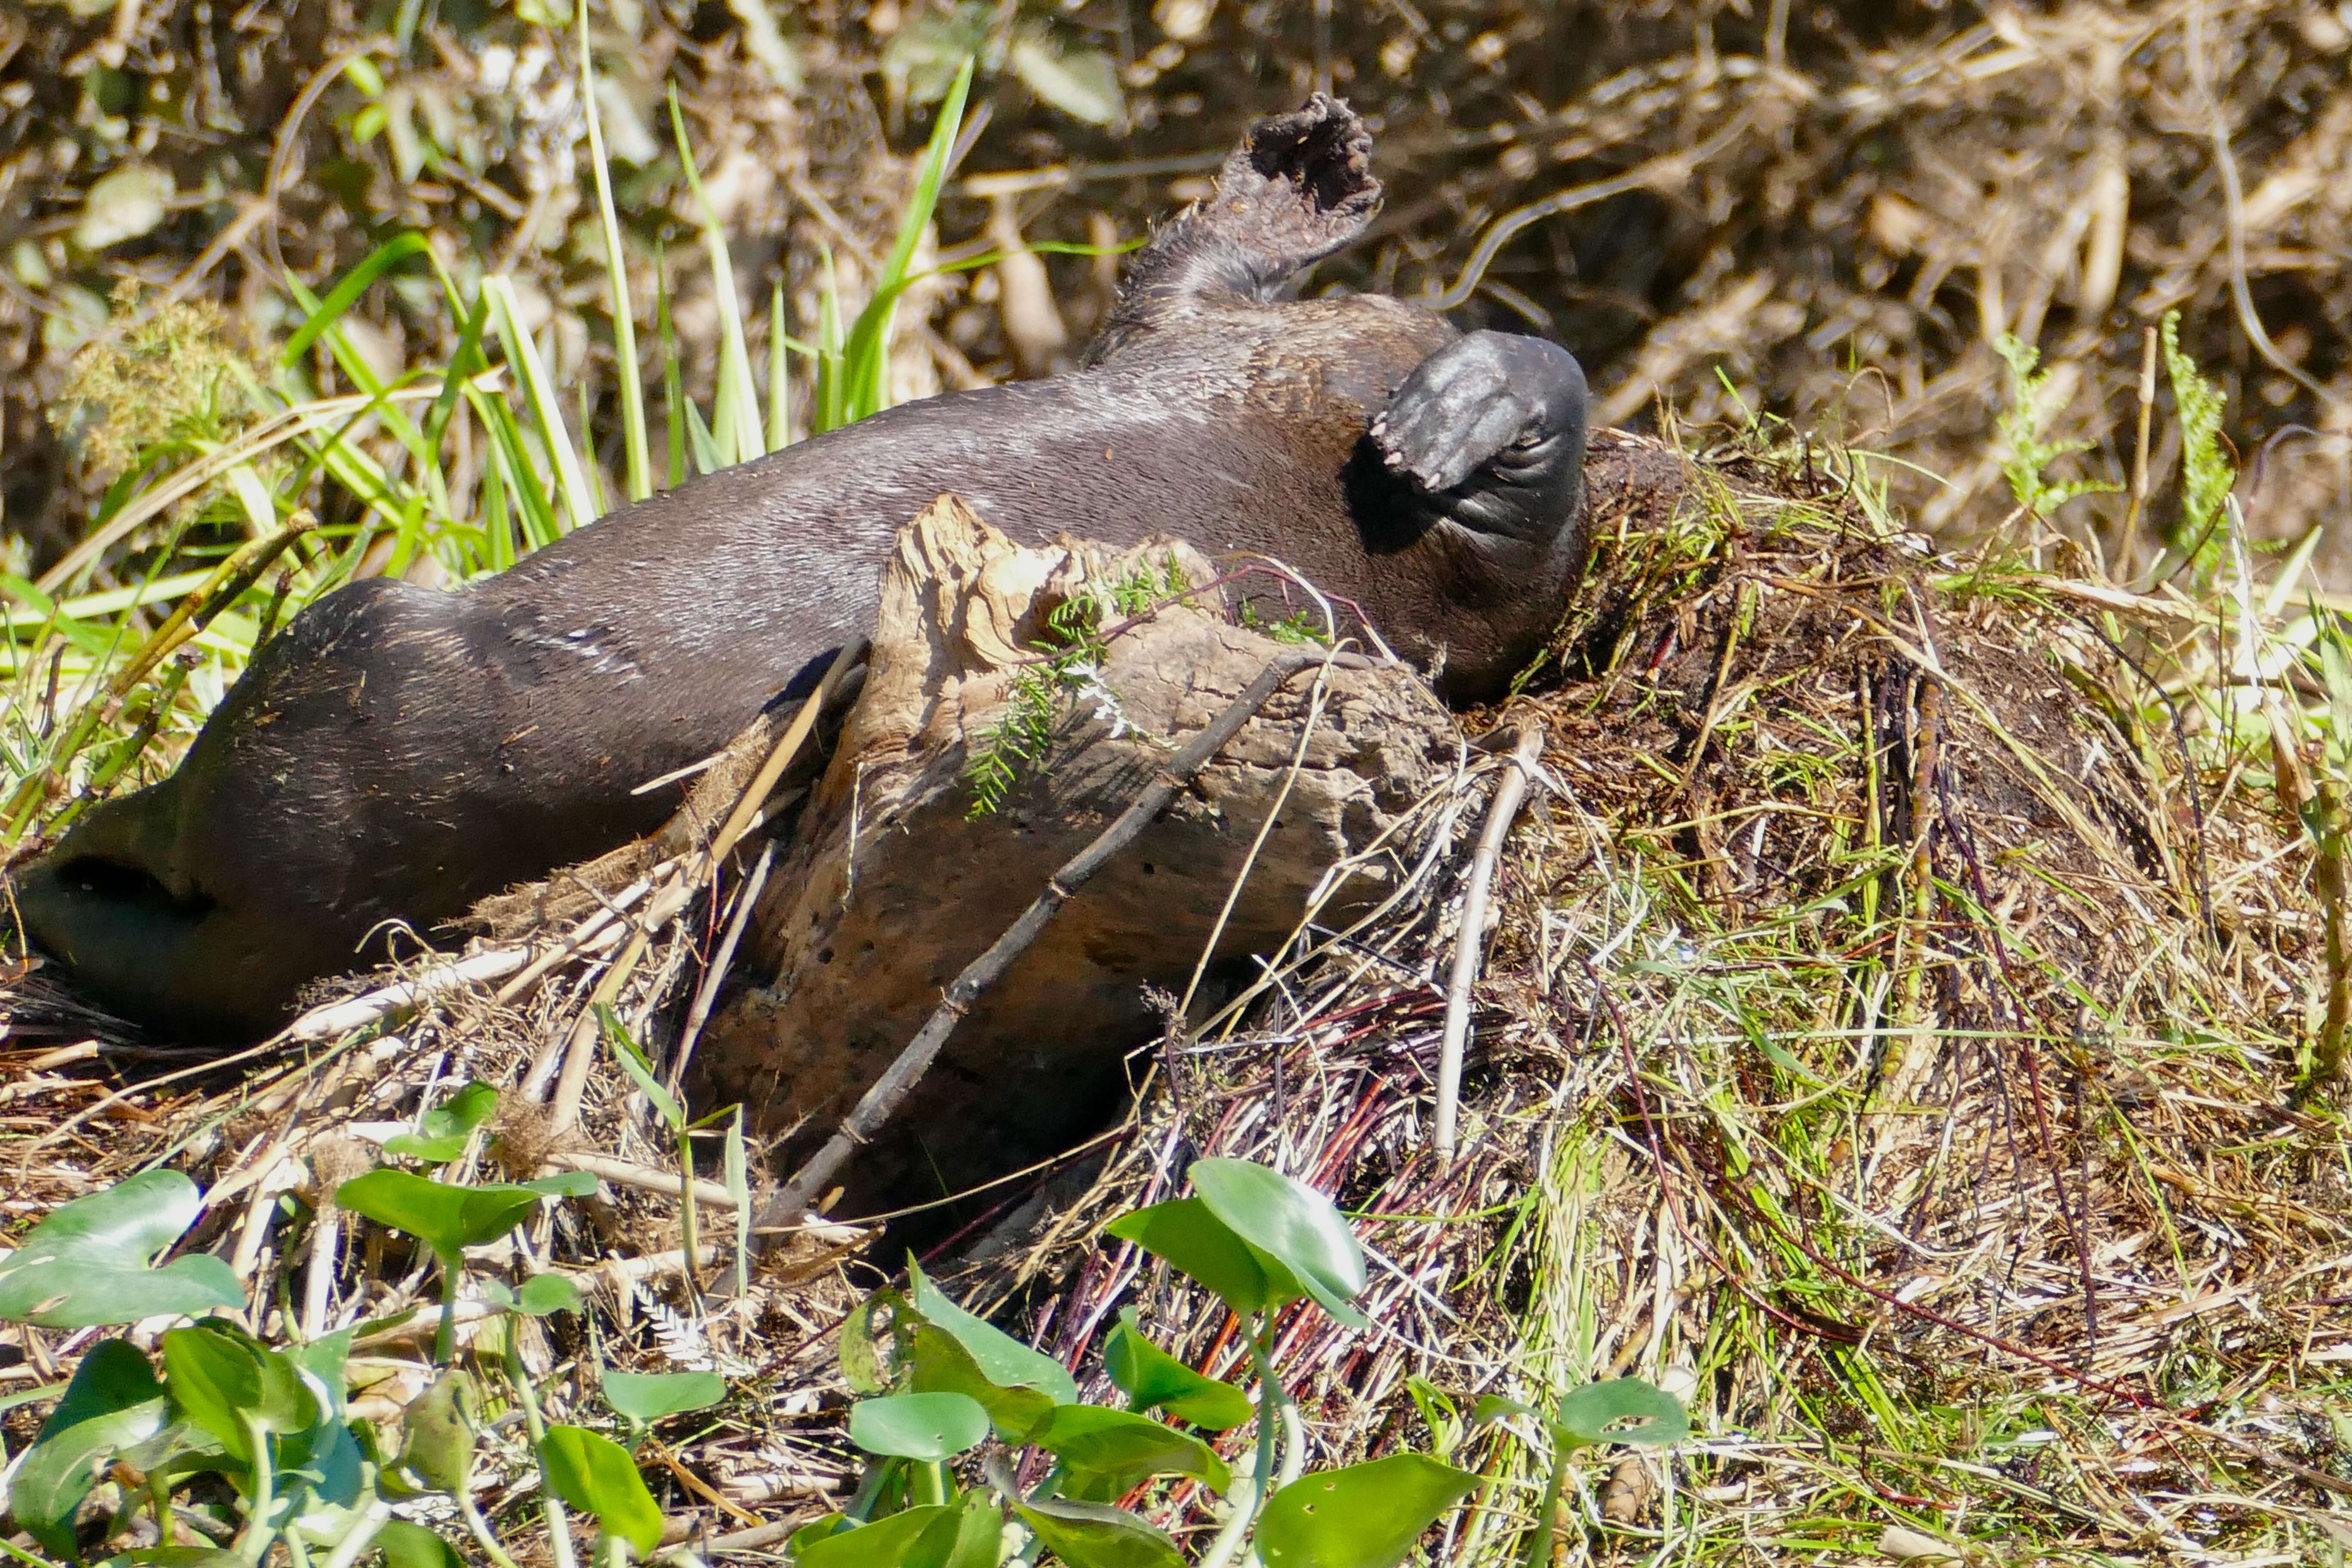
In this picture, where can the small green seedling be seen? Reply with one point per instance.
(446, 1218)
(1624, 1410)
(642, 1398)
(443, 1132)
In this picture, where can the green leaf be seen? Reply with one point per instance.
(625, 1050)
(937, 1363)
(1003, 1360)
(892, 1542)
(445, 1217)
(1089, 1535)
(1194, 1241)
(1106, 1454)
(175, 1557)
(1492, 1408)
(1365, 1516)
(861, 1356)
(979, 1538)
(596, 1474)
(866, 360)
(544, 1293)
(222, 1378)
(1291, 1222)
(112, 1403)
(1082, 83)
(87, 1263)
(1150, 1378)
(642, 1398)
(441, 1132)
(407, 1545)
(438, 1430)
(563, 1184)
(926, 1427)
(1594, 1414)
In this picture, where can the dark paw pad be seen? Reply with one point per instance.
(1300, 186)
(1452, 415)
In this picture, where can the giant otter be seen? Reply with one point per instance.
(397, 752)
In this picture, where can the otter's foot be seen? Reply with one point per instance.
(1297, 188)
(1490, 430)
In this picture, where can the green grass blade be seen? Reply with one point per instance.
(673, 379)
(638, 476)
(868, 350)
(323, 314)
(571, 484)
(780, 381)
(737, 416)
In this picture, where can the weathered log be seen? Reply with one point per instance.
(892, 882)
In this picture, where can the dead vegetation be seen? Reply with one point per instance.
(1888, 1041)
(1831, 211)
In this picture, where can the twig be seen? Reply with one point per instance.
(1469, 941)
(882, 1100)
(715, 976)
(2127, 547)
(339, 1018)
(580, 1052)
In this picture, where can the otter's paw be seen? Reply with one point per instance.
(1487, 403)
(1299, 187)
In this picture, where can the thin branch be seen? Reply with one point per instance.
(882, 1101)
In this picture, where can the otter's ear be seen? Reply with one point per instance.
(1298, 187)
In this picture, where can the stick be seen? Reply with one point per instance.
(1470, 940)
(580, 1052)
(2128, 545)
(880, 1102)
(715, 976)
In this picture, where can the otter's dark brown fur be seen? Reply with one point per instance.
(398, 753)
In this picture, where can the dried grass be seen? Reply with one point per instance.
(1856, 1056)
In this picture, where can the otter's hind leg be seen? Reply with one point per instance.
(1489, 434)
(1298, 187)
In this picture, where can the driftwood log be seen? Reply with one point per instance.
(892, 882)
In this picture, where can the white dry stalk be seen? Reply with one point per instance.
(1470, 940)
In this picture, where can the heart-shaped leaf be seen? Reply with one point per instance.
(87, 1263)
(861, 1353)
(1365, 1516)
(441, 1132)
(1151, 1378)
(1106, 1454)
(642, 1398)
(112, 1403)
(1194, 1241)
(438, 1431)
(544, 1293)
(1291, 1222)
(892, 1541)
(595, 1474)
(407, 1545)
(1001, 1359)
(1623, 1410)
(925, 1426)
(226, 1382)
(445, 1217)
(1089, 1535)
(937, 1362)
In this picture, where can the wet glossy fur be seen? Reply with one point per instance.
(398, 753)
